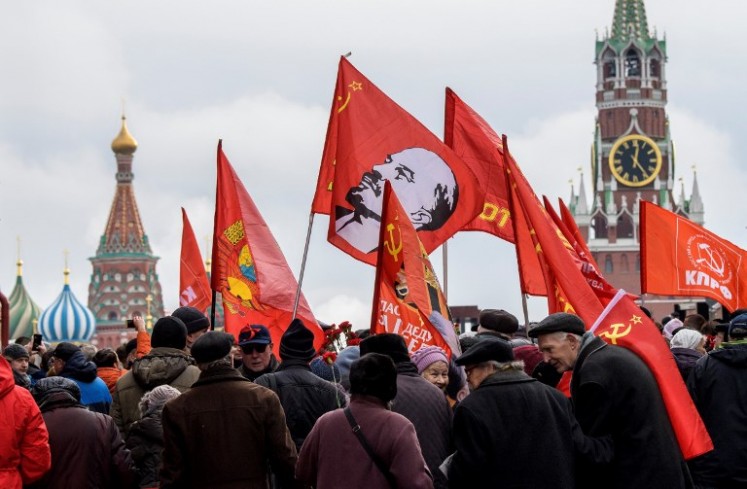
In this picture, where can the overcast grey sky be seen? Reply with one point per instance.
(260, 75)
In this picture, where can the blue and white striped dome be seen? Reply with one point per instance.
(67, 319)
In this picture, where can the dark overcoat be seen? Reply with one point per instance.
(614, 393)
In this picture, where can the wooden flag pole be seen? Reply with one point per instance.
(445, 257)
(303, 263)
(526, 311)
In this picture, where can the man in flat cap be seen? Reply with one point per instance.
(510, 422)
(614, 393)
(226, 430)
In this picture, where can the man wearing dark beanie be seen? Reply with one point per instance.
(389, 436)
(226, 431)
(304, 396)
(196, 322)
(167, 363)
(419, 401)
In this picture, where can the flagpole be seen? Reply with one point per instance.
(445, 258)
(303, 263)
(212, 313)
(526, 311)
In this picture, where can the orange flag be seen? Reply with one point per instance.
(194, 287)
(481, 149)
(249, 269)
(679, 257)
(623, 324)
(371, 139)
(407, 296)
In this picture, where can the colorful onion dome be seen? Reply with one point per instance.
(67, 319)
(124, 143)
(24, 312)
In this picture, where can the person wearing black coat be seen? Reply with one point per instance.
(513, 431)
(87, 449)
(614, 393)
(718, 386)
(303, 395)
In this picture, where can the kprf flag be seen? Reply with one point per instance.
(249, 270)
(622, 323)
(679, 257)
(482, 150)
(194, 287)
(407, 296)
(370, 140)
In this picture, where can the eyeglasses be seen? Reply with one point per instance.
(253, 347)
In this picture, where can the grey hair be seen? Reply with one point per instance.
(88, 350)
(561, 335)
(154, 400)
(516, 365)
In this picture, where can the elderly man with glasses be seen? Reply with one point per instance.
(256, 352)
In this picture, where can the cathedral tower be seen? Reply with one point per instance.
(124, 281)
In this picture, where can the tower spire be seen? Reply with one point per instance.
(697, 210)
(582, 208)
(19, 262)
(629, 20)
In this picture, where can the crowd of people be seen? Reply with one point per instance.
(551, 406)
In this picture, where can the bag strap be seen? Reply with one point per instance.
(362, 439)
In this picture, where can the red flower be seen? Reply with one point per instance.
(329, 357)
(354, 342)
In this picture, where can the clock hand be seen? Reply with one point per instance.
(635, 163)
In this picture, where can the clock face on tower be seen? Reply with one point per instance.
(635, 160)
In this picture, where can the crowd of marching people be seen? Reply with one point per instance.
(549, 407)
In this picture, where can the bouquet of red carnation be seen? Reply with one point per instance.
(337, 337)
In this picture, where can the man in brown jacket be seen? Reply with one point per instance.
(166, 363)
(225, 430)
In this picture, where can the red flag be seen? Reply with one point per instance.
(622, 323)
(604, 291)
(481, 149)
(194, 287)
(679, 257)
(407, 296)
(249, 269)
(555, 250)
(371, 139)
(570, 224)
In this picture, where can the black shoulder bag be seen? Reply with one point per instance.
(364, 443)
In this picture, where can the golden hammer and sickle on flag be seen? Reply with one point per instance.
(615, 333)
(392, 248)
(354, 86)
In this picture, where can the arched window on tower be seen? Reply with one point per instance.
(655, 68)
(112, 316)
(632, 63)
(624, 266)
(598, 228)
(610, 69)
(608, 267)
(625, 226)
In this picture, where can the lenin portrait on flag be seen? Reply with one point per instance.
(423, 182)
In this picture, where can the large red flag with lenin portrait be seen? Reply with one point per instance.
(407, 296)
(371, 139)
(472, 138)
(681, 258)
(622, 323)
(194, 286)
(249, 269)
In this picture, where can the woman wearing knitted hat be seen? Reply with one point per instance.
(433, 366)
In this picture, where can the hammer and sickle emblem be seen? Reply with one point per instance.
(390, 245)
(615, 333)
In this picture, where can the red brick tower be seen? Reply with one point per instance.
(124, 281)
(633, 153)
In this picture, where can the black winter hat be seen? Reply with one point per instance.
(15, 351)
(169, 332)
(374, 375)
(560, 321)
(192, 318)
(65, 350)
(297, 342)
(390, 344)
(485, 350)
(211, 346)
(499, 321)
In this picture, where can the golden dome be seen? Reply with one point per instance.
(124, 143)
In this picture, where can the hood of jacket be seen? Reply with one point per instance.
(7, 383)
(78, 368)
(733, 354)
(159, 367)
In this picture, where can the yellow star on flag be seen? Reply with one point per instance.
(355, 86)
(636, 319)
